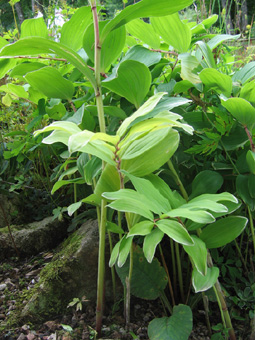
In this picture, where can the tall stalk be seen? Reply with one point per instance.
(102, 224)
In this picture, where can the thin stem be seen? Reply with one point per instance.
(166, 52)
(252, 227)
(167, 273)
(173, 265)
(101, 269)
(177, 180)
(250, 139)
(15, 20)
(179, 269)
(112, 269)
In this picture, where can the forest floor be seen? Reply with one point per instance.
(19, 275)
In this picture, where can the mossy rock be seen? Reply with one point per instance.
(72, 273)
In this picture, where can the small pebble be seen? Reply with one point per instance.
(22, 337)
(3, 286)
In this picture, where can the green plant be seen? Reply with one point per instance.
(153, 137)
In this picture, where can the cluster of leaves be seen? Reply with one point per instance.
(170, 90)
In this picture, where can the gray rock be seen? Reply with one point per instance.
(3, 286)
(71, 274)
(33, 237)
(22, 337)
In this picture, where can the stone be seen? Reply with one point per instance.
(3, 286)
(22, 337)
(33, 237)
(72, 273)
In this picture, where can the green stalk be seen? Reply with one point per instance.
(167, 273)
(15, 20)
(102, 228)
(112, 269)
(173, 265)
(177, 180)
(252, 227)
(179, 269)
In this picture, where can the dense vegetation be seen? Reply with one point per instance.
(152, 133)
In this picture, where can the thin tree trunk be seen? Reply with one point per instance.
(228, 21)
(244, 15)
(19, 12)
(33, 6)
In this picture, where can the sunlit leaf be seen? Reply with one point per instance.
(198, 254)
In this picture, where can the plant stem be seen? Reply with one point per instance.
(167, 273)
(112, 269)
(177, 180)
(179, 268)
(173, 265)
(252, 227)
(15, 20)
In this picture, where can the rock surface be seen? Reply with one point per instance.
(72, 273)
(32, 238)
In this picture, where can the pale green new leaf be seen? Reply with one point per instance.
(175, 231)
(150, 243)
(124, 250)
(214, 80)
(223, 231)
(242, 110)
(142, 228)
(146, 188)
(147, 107)
(68, 127)
(223, 196)
(59, 184)
(245, 73)
(202, 283)
(208, 22)
(34, 28)
(207, 54)
(144, 32)
(248, 92)
(132, 81)
(173, 31)
(219, 38)
(115, 253)
(15, 90)
(188, 64)
(143, 55)
(73, 207)
(73, 30)
(131, 201)
(50, 82)
(143, 9)
(198, 254)
(195, 215)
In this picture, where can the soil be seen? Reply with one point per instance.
(18, 276)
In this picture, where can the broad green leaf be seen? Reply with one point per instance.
(188, 64)
(250, 158)
(243, 190)
(129, 200)
(245, 73)
(132, 81)
(112, 111)
(114, 228)
(108, 181)
(115, 253)
(251, 185)
(206, 181)
(176, 327)
(146, 188)
(160, 151)
(208, 22)
(223, 196)
(143, 55)
(111, 47)
(207, 54)
(144, 32)
(150, 243)
(217, 81)
(142, 228)
(34, 28)
(219, 38)
(146, 108)
(202, 283)
(175, 231)
(223, 231)
(92, 199)
(73, 30)
(60, 184)
(124, 250)
(22, 69)
(174, 198)
(6, 65)
(15, 90)
(148, 279)
(242, 110)
(68, 127)
(143, 9)
(207, 205)
(248, 92)
(198, 254)
(73, 207)
(173, 31)
(196, 215)
(50, 82)
(3, 42)
(182, 86)
(37, 46)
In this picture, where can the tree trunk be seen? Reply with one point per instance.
(244, 15)
(228, 21)
(33, 6)
(19, 12)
